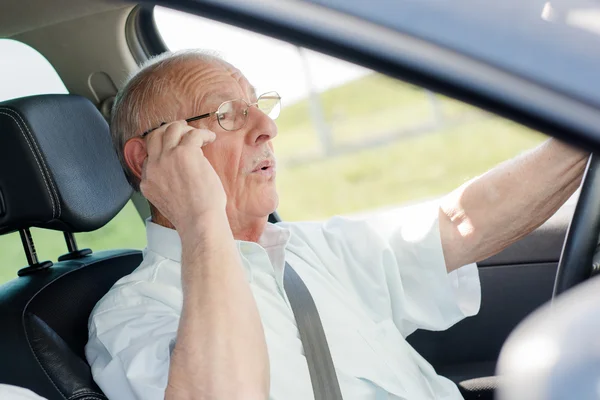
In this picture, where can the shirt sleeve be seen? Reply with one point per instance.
(425, 295)
(132, 332)
(8, 392)
(397, 267)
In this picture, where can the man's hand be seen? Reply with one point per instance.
(177, 179)
(217, 301)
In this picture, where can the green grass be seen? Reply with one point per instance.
(405, 170)
(126, 230)
(365, 108)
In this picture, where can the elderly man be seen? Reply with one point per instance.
(206, 314)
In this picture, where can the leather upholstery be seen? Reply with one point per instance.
(58, 166)
(58, 170)
(44, 324)
(69, 373)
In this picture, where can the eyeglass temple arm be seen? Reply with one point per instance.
(187, 120)
(263, 97)
(200, 116)
(151, 130)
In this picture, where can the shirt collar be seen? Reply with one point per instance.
(273, 235)
(167, 243)
(163, 241)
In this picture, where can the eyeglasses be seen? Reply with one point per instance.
(233, 114)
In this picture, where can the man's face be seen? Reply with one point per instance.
(243, 159)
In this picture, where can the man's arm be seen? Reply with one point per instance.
(220, 352)
(487, 214)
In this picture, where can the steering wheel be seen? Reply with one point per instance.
(580, 257)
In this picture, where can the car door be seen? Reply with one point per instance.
(470, 53)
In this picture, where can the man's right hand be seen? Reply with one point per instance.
(177, 179)
(217, 301)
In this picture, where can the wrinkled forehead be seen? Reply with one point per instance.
(210, 84)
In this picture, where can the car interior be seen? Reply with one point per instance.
(80, 187)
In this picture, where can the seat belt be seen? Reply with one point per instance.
(320, 365)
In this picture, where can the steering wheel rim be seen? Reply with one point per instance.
(576, 259)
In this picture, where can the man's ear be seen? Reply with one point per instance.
(135, 154)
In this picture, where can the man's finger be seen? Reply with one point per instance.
(154, 142)
(198, 137)
(173, 134)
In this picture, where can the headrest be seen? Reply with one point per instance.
(58, 169)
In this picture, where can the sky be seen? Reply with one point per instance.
(268, 63)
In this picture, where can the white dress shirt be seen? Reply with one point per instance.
(373, 285)
(8, 392)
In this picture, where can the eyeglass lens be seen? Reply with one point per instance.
(232, 115)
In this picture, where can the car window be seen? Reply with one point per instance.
(25, 72)
(351, 140)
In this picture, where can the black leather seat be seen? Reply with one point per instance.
(58, 171)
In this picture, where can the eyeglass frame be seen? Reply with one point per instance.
(210, 114)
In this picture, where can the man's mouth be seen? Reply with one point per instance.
(265, 167)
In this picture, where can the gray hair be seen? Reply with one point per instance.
(148, 98)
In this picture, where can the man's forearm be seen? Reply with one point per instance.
(220, 351)
(487, 214)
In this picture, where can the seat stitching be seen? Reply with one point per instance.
(83, 265)
(35, 157)
(43, 162)
(88, 397)
(39, 363)
(85, 393)
(42, 159)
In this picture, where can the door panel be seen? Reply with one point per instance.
(542, 245)
(509, 293)
(513, 284)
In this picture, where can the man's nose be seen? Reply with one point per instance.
(261, 127)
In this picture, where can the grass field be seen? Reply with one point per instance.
(402, 171)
